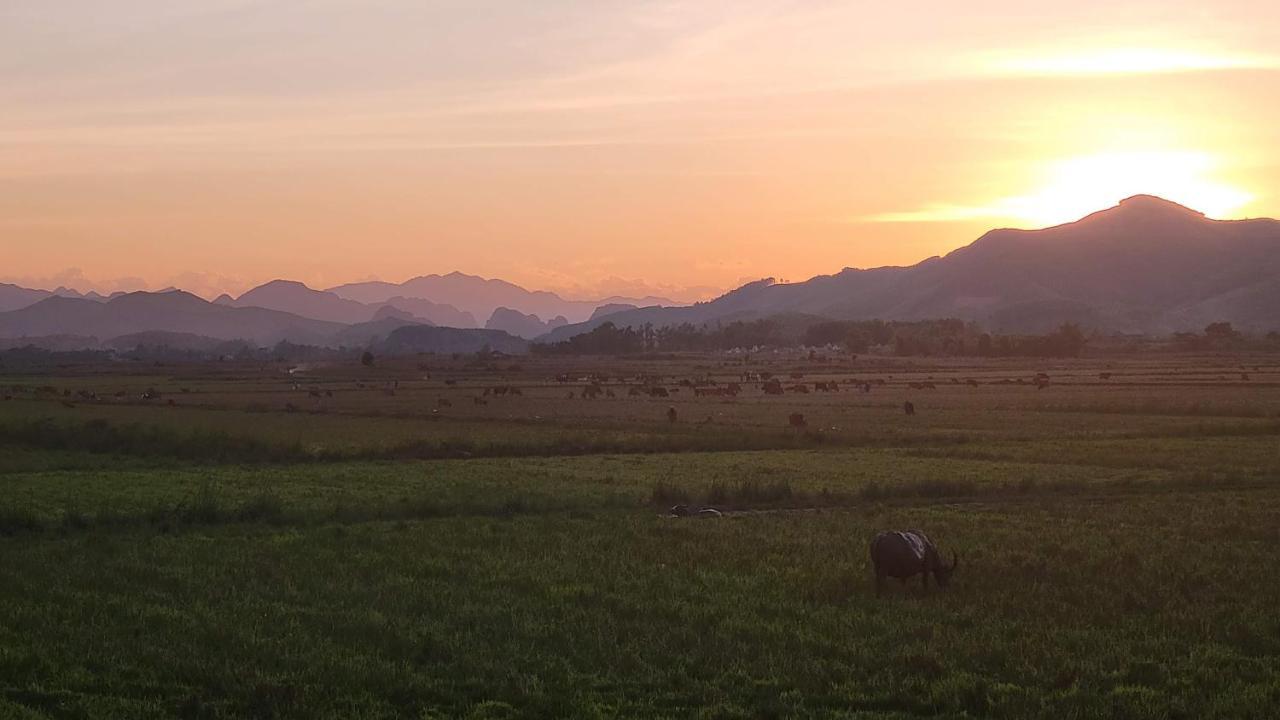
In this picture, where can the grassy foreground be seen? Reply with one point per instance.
(1115, 562)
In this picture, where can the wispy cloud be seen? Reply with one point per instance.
(1124, 61)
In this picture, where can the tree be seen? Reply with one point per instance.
(1220, 332)
(366, 359)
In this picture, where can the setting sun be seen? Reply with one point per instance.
(1075, 187)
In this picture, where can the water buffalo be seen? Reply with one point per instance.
(907, 553)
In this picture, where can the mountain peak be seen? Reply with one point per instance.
(1152, 205)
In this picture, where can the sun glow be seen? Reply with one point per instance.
(1071, 188)
(1075, 187)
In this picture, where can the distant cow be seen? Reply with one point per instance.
(907, 553)
(671, 414)
(797, 420)
(772, 387)
(909, 407)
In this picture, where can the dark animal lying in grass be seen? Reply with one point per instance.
(906, 553)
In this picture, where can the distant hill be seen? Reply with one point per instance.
(521, 325)
(423, 339)
(1145, 266)
(13, 297)
(610, 309)
(480, 296)
(174, 311)
(430, 312)
(294, 297)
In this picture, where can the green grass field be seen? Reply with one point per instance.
(379, 555)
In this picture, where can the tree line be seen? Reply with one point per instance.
(904, 338)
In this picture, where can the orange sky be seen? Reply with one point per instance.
(604, 146)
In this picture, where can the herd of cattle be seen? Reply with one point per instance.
(592, 387)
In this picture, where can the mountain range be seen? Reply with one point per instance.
(1146, 265)
(481, 297)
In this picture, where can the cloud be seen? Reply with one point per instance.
(1125, 61)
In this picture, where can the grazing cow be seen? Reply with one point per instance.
(909, 407)
(772, 387)
(908, 553)
(797, 420)
(1104, 376)
(971, 382)
(1244, 376)
(659, 392)
(797, 388)
(634, 391)
(671, 414)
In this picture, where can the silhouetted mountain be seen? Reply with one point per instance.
(174, 311)
(1146, 265)
(423, 339)
(432, 313)
(13, 297)
(294, 297)
(521, 325)
(610, 309)
(480, 296)
(372, 332)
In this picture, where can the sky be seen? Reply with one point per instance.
(601, 147)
